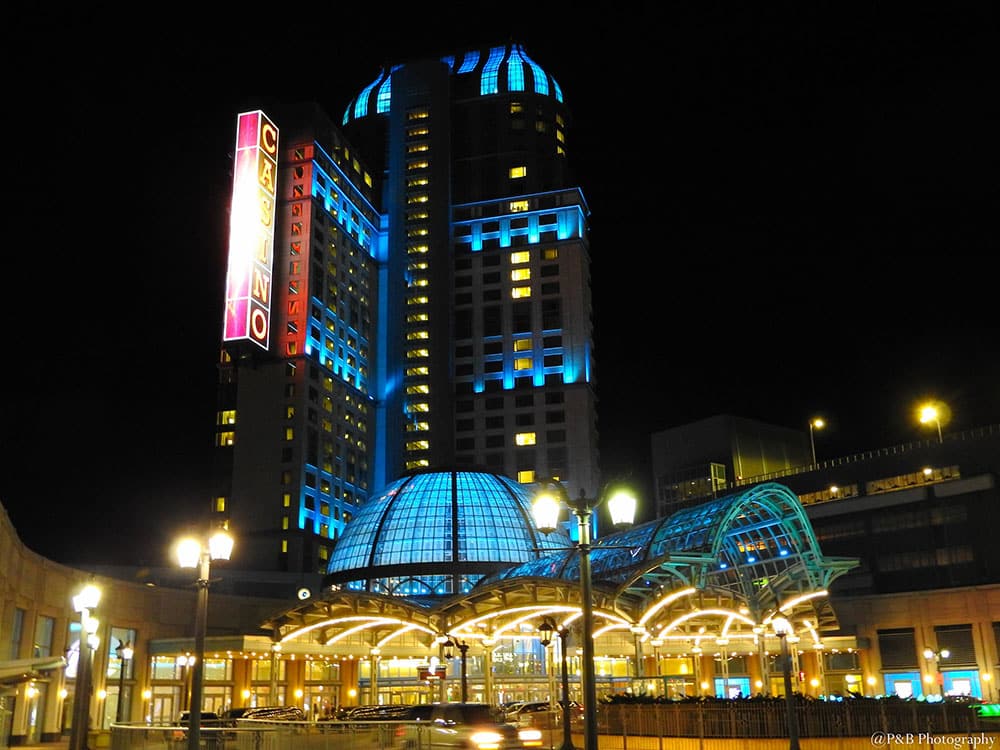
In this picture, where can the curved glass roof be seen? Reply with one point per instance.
(500, 70)
(422, 531)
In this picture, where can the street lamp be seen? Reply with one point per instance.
(935, 657)
(85, 601)
(193, 554)
(816, 423)
(124, 653)
(783, 629)
(546, 509)
(463, 649)
(547, 629)
(930, 413)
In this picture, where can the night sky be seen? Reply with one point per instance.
(792, 215)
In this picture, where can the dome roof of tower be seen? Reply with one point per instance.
(437, 533)
(498, 70)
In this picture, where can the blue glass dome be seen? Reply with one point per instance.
(437, 534)
(497, 70)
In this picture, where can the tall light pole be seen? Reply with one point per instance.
(930, 413)
(782, 629)
(84, 603)
(935, 657)
(193, 554)
(546, 629)
(546, 512)
(816, 423)
(124, 653)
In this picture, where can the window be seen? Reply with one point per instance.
(522, 256)
(518, 206)
(516, 172)
(523, 363)
(520, 274)
(526, 477)
(524, 438)
(551, 254)
(522, 345)
(418, 445)
(520, 292)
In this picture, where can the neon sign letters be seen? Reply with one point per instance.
(251, 230)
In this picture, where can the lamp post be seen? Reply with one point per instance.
(85, 601)
(193, 554)
(935, 657)
(124, 653)
(546, 512)
(782, 629)
(547, 628)
(930, 413)
(816, 423)
(463, 650)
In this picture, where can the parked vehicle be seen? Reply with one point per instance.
(263, 713)
(470, 726)
(522, 713)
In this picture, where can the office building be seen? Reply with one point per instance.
(407, 291)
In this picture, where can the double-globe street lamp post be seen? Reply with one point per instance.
(546, 509)
(191, 553)
(84, 603)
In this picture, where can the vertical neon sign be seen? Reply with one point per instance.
(251, 230)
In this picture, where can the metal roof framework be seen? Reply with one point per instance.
(716, 573)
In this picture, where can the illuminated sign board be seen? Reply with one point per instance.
(251, 230)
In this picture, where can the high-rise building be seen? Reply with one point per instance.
(408, 290)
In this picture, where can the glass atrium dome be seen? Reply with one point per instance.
(437, 534)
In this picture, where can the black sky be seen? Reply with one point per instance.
(793, 213)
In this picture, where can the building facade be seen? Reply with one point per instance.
(425, 301)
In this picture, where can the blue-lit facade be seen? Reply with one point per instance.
(431, 305)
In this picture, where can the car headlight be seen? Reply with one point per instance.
(530, 737)
(486, 740)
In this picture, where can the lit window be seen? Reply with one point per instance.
(416, 249)
(421, 407)
(419, 282)
(417, 182)
(418, 131)
(524, 438)
(417, 318)
(417, 335)
(416, 300)
(286, 500)
(520, 274)
(220, 504)
(423, 463)
(520, 291)
(560, 137)
(518, 172)
(518, 206)
(413, 372)
(418, 198)
(418, 114)
(284, 523)
(551, 254)
(516, 107)
(418, 389)
(414, 165)
(559, 120)
(368, 179)
(289, 433)
(417, 266)
(526, 477)
(418, 232)
(416, 148)
(225, 439)
(522, 345)
(522, 363)
(522, 256)
(418, 426)
(284, 546)
(418, 445)
(417, 353)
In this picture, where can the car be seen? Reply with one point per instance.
(469, 726)
(522, 713)
(263, 713)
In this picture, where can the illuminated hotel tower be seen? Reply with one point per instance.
(429, 310)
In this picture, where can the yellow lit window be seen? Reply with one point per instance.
(520, 274)
(220, 505)
(418, 114)
(522, 345)
(561, 151)
(286, 500)
(227, 417)
(526, 477)
(419, 407)
(416, 249)
(524, 438)
(522, 256)
(225, 439)
(519, 292)
(419, 282)
(551, 254)
(417, 318)
(418, 426)
(417, 353)
(284, 523)
(417, 371)
(518, 206)
(415, 148)
(423, 463)
(284, 546)
(418, 232)
(368, 179)
(416, 215)
(417, 198)
(417, 335)
(418, 131)
(416, 300)
(418, 445)
(417, 266)
(289, 412)
(518, 172)
(560, 137)
(522, 363)
(289, 433)
(418, 389)
(516, 107)
(415, 165)
(417, 182)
